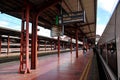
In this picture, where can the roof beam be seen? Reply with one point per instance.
(47, 5)
(50, 15)
(89, 32)
(87, 24)
(67, 6)
(44, 20)
(95, 10)
(85, 17)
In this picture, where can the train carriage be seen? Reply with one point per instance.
(109, 43)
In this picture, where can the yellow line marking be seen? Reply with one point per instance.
(86, 75)
(86, 70)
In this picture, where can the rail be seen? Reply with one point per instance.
(109, 74)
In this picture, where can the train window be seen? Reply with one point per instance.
(111, 47)
(112, 55)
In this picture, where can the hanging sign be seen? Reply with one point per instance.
(78, 16)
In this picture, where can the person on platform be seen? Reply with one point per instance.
(84, 50)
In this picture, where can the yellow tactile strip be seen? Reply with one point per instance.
(86, 70)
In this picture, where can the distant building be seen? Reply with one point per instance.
(97, 38)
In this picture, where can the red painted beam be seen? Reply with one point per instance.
(67, 6)
(71, 46)
(38, 44)
(58, 46)
(63, 45)
(45, 45)
(0, 43)
(8, 45)
(51, 46)
(21, 43)
(76, 43)
(24, 55)
(34, 42)
(27, 39)
(47, 5)
(55, 45)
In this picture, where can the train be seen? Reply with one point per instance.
(109, 46)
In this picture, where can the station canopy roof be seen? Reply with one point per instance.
(50, 8)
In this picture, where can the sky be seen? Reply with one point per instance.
(10, 22)
(105, 9)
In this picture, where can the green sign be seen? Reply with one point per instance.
(57, 20)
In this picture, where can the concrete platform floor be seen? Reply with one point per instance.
(50, 67)
(93, 72)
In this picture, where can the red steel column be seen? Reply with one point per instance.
(63, 45)
(58, 46)
(71, 45)
(27, 40)
(76, 43)
(51, 45)
(0, 43)
(8, 45)
(24, 54)
(45, 45)
(34, 42)
(55, 45)
(38, 45)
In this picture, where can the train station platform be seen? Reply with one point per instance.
(50, 67)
